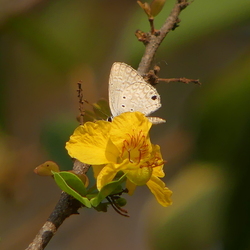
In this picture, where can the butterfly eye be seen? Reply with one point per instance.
(109, 119)
(154, 97)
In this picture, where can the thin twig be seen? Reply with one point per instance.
(152, 78)
(182, 79)
(151, 21)
(155, 41)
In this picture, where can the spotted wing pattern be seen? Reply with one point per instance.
(129, 92)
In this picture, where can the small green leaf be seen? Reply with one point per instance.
(73, 181)
(107, 190)
(72, 185)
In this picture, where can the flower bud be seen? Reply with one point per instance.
(46, 168)
(156, 7)
(145, 7)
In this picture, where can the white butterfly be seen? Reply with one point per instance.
(128, 91)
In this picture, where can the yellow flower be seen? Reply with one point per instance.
(121, 145)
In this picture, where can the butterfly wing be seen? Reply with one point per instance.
(140, 96)
(121, 77)
(129, 92)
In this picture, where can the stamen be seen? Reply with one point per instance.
(136, 141)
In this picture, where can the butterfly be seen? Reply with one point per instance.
(129, 92)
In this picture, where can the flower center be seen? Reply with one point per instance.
(135, 147)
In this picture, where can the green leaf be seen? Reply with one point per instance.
(72, 185)
(107, 190)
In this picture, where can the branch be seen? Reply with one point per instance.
(152, 78)
(65, 207)
(182, 79)
(154, 40)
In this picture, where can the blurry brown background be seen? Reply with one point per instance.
(46, 47)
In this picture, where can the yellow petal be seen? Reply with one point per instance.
(127, 124)
(158, 171)
(160, 191)
(97, 169)
(108, 173)
(90, 144)
(105, 176)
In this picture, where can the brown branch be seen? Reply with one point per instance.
(182, 79)
(152, 78)
(153, 41)
(65, 207)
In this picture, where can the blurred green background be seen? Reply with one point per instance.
(48, 46)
